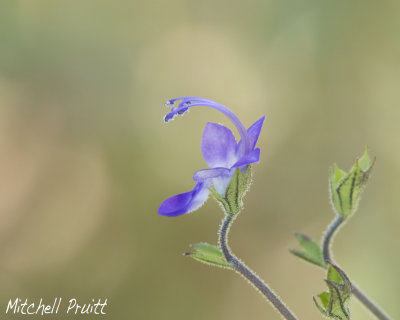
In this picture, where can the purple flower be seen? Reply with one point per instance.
(220, 151)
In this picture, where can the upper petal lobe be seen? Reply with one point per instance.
(218, 146)
(253, 132)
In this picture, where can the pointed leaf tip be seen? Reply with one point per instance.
(338, 174)
(365, 160)
(312, 250)
(322, 309)
(208, 254)
(324, 297)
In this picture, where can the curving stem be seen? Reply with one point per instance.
(243, 270)
(326, 251)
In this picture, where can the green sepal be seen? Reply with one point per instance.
(209, 254)
(335, 303)
(345, 188)
(324, 298)
(232, 200)
(312, 250)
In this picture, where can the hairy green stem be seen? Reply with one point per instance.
(242, 269)
(326, 241)
(326, 251)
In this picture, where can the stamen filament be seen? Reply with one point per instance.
(188, 102)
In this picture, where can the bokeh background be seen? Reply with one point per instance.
(86, 158)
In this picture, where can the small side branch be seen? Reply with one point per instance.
(326, 251)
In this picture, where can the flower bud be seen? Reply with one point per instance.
(346, 188)
(335, 303)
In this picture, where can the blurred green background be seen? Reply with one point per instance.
(86, 158)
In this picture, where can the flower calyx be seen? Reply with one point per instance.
(232, 200)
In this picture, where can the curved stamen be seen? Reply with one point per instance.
(188, 102)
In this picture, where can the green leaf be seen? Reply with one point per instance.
(335, 303)
(209, 254)
(365, 160)
(324, 297)
(333, 274)
(232, 200)
(312, 251)
(346, 188)
(339, 174)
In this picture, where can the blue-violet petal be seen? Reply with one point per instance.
(185, 202)
(253, 156)
(205, 174)
(253, 132)
(218, 146)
